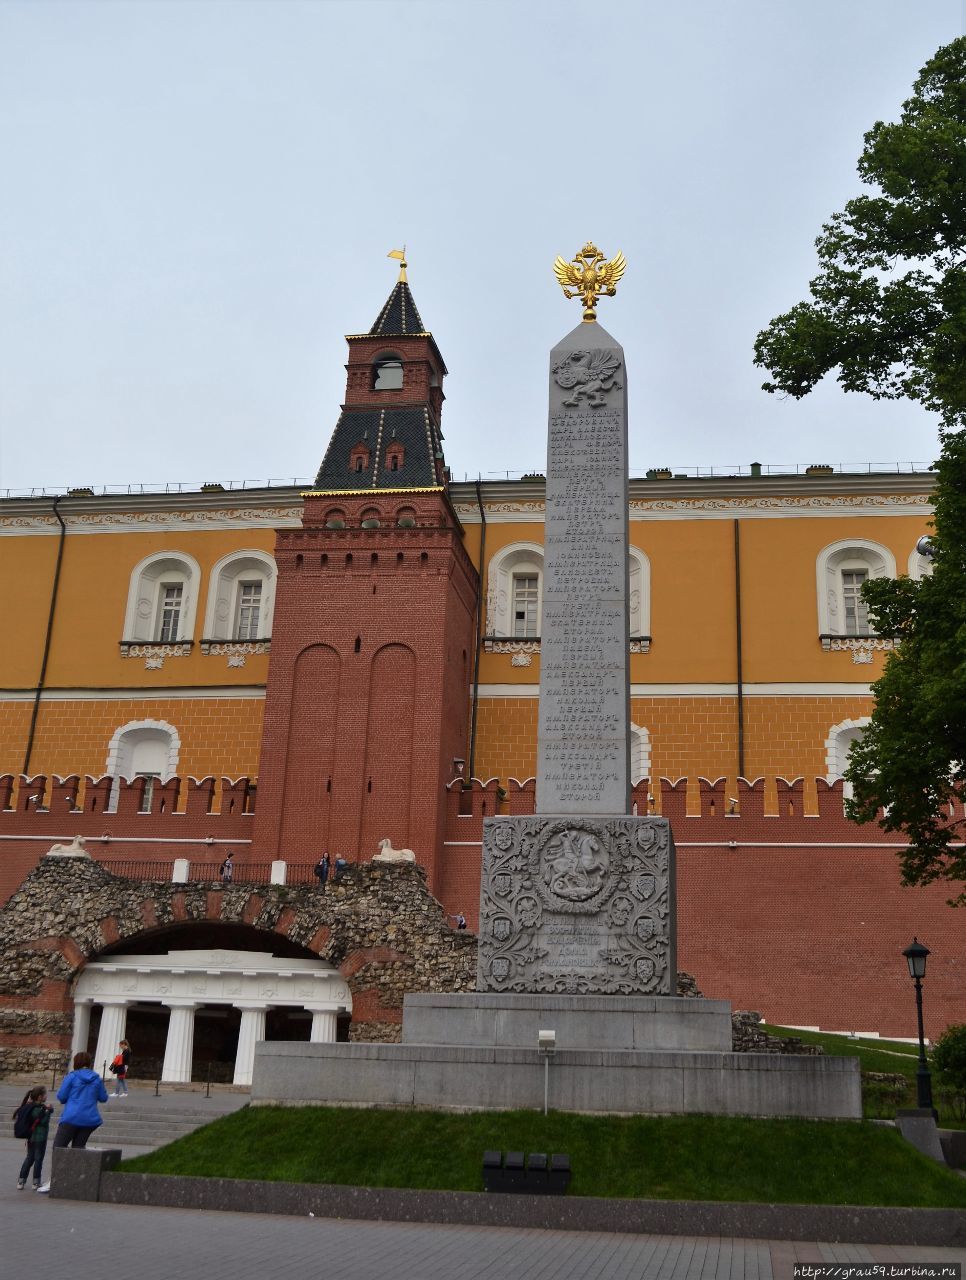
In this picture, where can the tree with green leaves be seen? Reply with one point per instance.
(888, 312)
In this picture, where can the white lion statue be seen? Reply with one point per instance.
(76, 849)
(388, 854)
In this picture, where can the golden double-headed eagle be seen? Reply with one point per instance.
(588, 276)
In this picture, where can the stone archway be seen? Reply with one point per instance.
(378, 929)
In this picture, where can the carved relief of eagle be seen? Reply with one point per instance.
(589, 275)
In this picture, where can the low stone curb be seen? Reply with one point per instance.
(836, 1224)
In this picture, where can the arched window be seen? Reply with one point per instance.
(838, 744)
(842, 569)
(359, 458)
(241, 597)
(640, 754)
(639, 598)
(395, 456)
(387, 373)
(143, 749)
(514, 591)
(162, 599)
(919, 566)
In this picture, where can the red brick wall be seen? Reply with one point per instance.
(800, 916)
(194, 818)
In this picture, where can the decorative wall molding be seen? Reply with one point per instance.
(154, 653)
(815, 505)
(234, 649)
(861, 647)
(128, 521)
(499, 644)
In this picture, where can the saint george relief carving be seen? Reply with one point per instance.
(576, 906)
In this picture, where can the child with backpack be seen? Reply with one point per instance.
(120, 1067)
(31, 1121)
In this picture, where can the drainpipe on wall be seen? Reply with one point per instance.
(471, 762)
(50, 628)
(741, 685)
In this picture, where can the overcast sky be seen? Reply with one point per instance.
(197, 199)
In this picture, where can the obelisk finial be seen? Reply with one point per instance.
(588, 276)
(400, 256)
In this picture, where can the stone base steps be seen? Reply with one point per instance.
(130, 1123)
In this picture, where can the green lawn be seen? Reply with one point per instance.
(657, 1157)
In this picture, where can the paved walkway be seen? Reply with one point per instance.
(88, 1241)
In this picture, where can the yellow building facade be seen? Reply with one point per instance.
(140, 634)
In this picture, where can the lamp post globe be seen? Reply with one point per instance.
(916, 959)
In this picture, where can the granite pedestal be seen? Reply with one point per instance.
(474, 1077)
(499, 1020)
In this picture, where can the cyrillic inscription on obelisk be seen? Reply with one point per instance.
(582, 754)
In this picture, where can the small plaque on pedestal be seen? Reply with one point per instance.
(577, 905)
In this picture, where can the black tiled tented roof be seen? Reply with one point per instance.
(377, 429)
(399, 316)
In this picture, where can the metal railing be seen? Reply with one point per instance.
(166, 486)
(733, 470)
(637, 471)
(206, 872)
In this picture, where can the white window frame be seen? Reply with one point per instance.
(639, 592)
(640, 754)
(919, 566)
(526, 599)
(853, 553)
(121, 743)
(837, 747)
(518, 559)
(224, 587)
(142, 616)
(248, 597)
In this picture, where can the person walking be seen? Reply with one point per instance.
(80, 1092)
(120, 1067)
(227, 868)
(322, 870)
(38, 1118)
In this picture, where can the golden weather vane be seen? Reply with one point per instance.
(588, 276)
(400, 256)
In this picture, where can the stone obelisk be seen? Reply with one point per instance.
(583, 751)
(579, 898)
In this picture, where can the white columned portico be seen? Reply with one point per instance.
(180, 1043)
(113, 1020)
(252, 1030)
(82, 1027)
(323, 1026)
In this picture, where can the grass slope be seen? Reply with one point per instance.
(891, 1056)
(657, 1157)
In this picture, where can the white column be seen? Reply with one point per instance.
(113, 1020)
(82, 1027)
(252, 1029)
(323, 1026)
(180, 1044)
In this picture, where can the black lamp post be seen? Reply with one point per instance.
(916, 959)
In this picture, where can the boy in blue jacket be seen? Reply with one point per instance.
(80, 1093)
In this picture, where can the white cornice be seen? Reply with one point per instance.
(720, 497)
(133, 694)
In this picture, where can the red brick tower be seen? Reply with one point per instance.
(372, 647)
